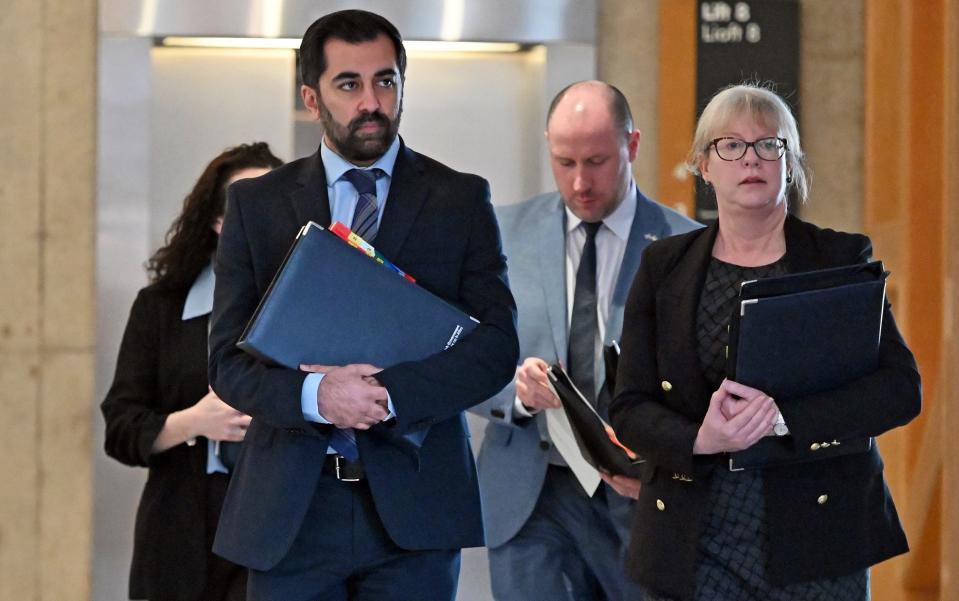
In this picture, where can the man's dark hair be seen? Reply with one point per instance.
(618, 105)
(351, 26)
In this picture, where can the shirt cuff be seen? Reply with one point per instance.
(213, 463)
(520, 410)
(310, 391)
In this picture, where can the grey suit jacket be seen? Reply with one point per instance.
(513, 459)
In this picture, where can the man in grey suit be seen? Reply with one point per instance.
(572, 257)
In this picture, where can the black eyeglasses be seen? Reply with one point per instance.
(733, 149)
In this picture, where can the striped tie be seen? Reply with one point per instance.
(365, 215)
(343, 440)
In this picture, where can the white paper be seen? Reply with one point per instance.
(561, 433)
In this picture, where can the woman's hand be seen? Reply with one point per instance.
(733, 405)
(737, 417)
(209, 417)
(216, 420)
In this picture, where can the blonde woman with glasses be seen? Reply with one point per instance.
(800, 531)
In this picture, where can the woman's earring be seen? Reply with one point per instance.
(789, 179)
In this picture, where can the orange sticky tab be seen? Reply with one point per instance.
(612, 437)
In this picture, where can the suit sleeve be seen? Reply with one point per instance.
(131, 408)
(869, 406)
(482, 363)
(271, 394)
(644, 423)
(501, 408)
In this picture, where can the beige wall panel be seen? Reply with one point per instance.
(66, 492)
(68, 174)
(19, 259)
(832, 138)
(19, 173)
(47, 99)
(627, 58)
(832, 112)
(19, 381)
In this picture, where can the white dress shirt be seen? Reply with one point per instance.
(611, 241)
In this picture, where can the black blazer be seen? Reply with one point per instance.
(438, 225)
(854, 526)
(162, 368)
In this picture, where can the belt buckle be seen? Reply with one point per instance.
(336, 459)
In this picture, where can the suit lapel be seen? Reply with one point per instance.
(676, 305)
(648, 225)
(408, 194)
(311, 201)
(551, 251)
(800, 249)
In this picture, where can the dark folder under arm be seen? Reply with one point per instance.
(802, 334)
(332, 305)
(595, 438)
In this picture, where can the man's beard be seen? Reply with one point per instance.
(355, 147)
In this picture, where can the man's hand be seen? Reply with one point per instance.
(532, 385)
(753, 413)
(624, 485)
(349, 396)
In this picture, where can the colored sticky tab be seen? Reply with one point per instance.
(350, 237)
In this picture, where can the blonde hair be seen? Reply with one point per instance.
(769, 110)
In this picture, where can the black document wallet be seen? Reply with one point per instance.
(802, 334)
(331, 304)
(595, 438)
(611, 363)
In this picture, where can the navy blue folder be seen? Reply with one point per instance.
(330, 304)
(802, 334)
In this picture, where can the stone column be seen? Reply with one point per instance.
(626, 52)
(831, 112)
(47, 108)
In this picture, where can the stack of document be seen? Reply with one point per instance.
(802, 334)
(329, 304)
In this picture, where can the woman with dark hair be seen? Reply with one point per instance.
(160, 412)
(784, 532)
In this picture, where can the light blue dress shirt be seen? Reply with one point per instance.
(343, 197)
(199, 302)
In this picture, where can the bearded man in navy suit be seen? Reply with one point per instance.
(310, 523)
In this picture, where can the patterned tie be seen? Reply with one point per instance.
(343, 440)
(584, 323)
(364, 217)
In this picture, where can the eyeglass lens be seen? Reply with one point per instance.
(733, 149)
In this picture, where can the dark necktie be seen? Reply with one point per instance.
(343, 440)
(365, 216)
(584, 322)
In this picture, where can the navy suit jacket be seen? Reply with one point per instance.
(513, 458)
(438, 225)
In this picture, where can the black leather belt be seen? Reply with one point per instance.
(342, 469)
